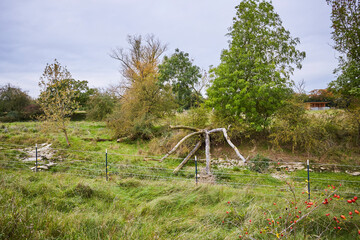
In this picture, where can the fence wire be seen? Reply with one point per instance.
(95, 167)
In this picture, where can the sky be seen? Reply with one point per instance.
(80, 34)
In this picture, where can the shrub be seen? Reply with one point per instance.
(259, 163)
(100, 105)
(311, 132)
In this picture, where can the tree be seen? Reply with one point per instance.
(13, 99)
(57, 97)
(253, 78)
(82, 91)
(14, 103)
(179, 72)
(100, 105)
(142, 101)
(321, 95)
(345, 17)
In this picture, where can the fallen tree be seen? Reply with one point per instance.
(206, 134)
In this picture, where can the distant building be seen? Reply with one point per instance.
(316, 106)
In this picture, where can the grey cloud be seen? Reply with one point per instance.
(81, 33)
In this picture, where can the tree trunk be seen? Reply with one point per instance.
(66, 136)
(207, 152)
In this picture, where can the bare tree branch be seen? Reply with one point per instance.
(197, 146)
(185, 127)
(179, 143)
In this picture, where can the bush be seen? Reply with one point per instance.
(315, 133)
(100, 105)
(259, 163)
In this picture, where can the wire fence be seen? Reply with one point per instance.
(98, 164)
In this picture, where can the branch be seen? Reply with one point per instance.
(229, 142)
(179, 143)
(185, 127)
(187, 157)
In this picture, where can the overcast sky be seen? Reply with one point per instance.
(81, 33)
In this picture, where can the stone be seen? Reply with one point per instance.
(353, 173)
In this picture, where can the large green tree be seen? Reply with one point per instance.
(345, 17)
(13, 99)
(179, 72)
(15, 104)
(253, 78)
(57, 97)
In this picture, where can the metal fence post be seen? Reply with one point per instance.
(36, 158)
(106, 165)
(308, 172)
(196, 178)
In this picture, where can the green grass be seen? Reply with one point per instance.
(48, 205)
(145, 200)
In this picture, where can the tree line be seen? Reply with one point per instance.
(248, 90)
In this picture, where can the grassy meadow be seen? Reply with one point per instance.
(145, 200)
